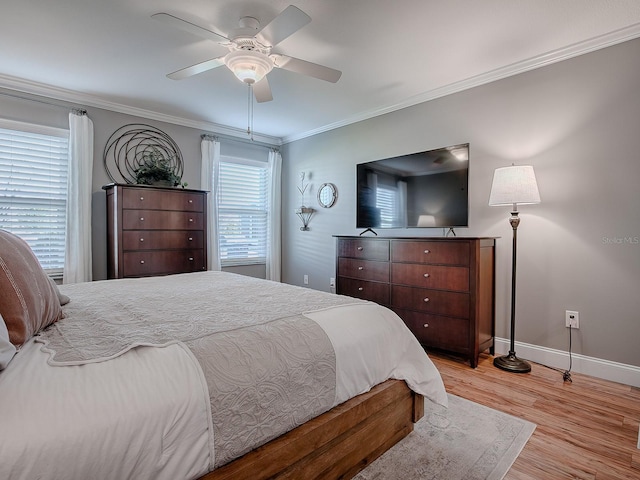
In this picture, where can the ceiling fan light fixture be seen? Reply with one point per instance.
(249, 66)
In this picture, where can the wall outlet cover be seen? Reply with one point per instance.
(572, 319)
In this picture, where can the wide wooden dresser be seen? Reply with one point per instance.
(443, 288)
(155, 230)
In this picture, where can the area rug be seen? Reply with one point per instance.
(464, 441)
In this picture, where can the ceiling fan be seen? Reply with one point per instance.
(250, 55)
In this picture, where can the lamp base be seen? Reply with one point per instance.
(511, 363)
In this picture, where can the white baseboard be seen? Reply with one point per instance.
(596, 367)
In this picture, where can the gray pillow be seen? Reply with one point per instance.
(7, 349)
(61, 296)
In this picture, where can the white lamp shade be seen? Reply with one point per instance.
(514, 185)
(426, 221)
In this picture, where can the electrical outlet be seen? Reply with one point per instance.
(572, 319)
(305, 279)
(332, 282)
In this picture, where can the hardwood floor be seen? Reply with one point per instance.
(586, 429)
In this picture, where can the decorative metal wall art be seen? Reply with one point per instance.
(137, 147)
(304, 213)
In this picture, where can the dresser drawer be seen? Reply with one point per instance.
(139, 264)
(436, 331)
(162, 239)
(445, 253)
(365, 269)
(364, 248)
(374, 291)
(430, 276)
(165, 199)
(161, 220)
(431, 301)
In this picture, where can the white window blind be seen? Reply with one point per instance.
(242, 212)
(386, 202)
(33, 188)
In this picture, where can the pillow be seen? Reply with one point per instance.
(61, 296)
(7, 349)
(28, 302)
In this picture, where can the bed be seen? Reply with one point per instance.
(205, 375)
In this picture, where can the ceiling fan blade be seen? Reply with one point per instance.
(197, 68)
(290, 20)
(262, 91)
(188, 26)
(306, 68)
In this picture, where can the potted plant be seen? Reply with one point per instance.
(156, 170)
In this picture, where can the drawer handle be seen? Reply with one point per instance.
(426, 251)
(426, 299)
(190, 238)
(359, 249)
(142, 219)
(426, 275)
(142, 239)
(361, 268)
(426, 325)
(142, 261)
(141, 199)
(360, 289)
(191, 259)
(190, 201)
(191, 219)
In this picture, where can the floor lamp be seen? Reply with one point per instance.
(512, 186)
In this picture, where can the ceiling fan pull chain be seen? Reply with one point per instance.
(250, 111)
(251, 106)
(249, 126)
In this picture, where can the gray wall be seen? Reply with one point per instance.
(577, 122)
(105, 123)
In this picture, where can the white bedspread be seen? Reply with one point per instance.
(93, 420)
(372, 344)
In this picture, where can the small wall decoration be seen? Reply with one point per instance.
(143, 154)
(304, 213)
(327, 195)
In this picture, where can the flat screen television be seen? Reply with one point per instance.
(423, 189)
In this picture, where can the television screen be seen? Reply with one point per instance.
(423, 189)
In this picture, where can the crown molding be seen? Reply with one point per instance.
(554, 56)
(78, 99)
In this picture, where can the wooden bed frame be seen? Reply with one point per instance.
(337, 444)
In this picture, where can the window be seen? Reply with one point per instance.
(386, 203)
(33, 188)
(242, 211)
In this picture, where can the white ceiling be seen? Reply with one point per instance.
(393, 53)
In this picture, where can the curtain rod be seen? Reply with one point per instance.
(39, 99)
(231, 138)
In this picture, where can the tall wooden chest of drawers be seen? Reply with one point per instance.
(443, 288)
(155, 231)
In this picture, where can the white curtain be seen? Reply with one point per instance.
(210, 149)
(401, 206)
(77, 257)
(274, 242)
